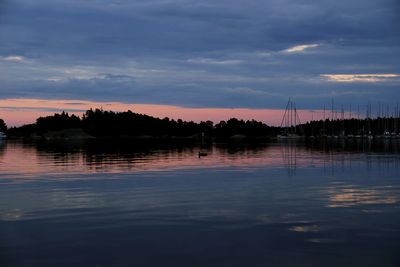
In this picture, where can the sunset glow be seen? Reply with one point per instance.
(17, 112)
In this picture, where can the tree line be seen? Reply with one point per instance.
(102, 123)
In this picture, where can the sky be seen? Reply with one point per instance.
(198, 57)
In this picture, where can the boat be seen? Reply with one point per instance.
(202, 154)
(289, 136)
(289, 123)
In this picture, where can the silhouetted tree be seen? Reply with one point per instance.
(57, 122)
(3, 126)
(22, 131)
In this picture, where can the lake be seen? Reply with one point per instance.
(276, 204)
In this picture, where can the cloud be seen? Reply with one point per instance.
(214, 61)
(13, 58)
(300, 48)
(366, 78)
(188, 52)
(250, 91)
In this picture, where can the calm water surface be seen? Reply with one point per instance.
(270, 205)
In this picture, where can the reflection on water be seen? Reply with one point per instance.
(95, 157)
(27, 159)
(304, 228)
(349, 196)
(287, 204)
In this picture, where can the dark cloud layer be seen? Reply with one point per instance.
(205, 54)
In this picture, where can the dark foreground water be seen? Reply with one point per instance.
(270, 205)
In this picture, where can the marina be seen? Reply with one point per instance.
(346, 124)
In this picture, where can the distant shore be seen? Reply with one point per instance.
(100, 124)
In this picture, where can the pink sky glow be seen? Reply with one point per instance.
(17, 112)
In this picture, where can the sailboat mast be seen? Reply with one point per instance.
(285, 122)
(342, 118)
(350, 115)
(290, 116)
(312, 123)
(387, 118)
(358, 118)
(332, 120)
(295, 117)
(397, 119)
(323, 124)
